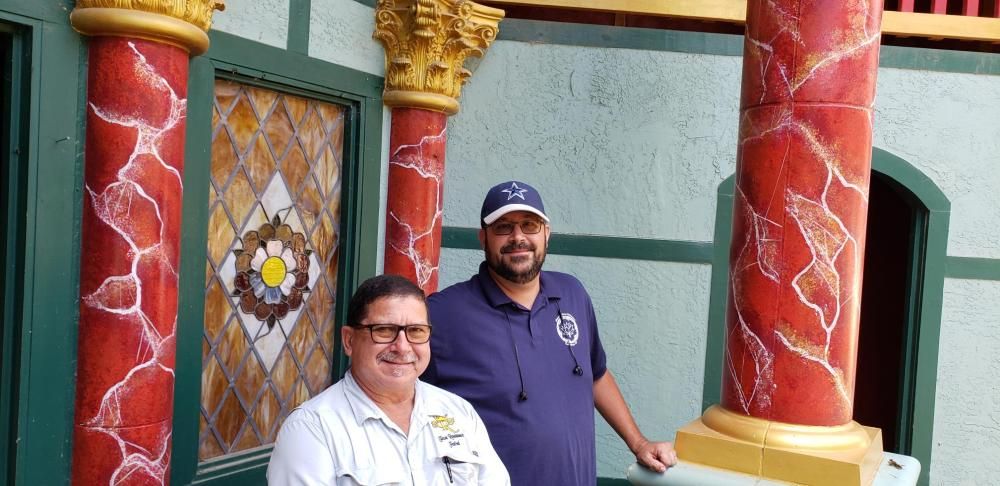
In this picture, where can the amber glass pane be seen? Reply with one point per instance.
(274, 222)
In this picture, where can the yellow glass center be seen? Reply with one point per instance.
(272, 272)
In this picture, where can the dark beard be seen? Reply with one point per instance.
(508, 273)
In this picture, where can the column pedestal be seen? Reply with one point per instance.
(845, 455)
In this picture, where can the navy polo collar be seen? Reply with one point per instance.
(496, 297)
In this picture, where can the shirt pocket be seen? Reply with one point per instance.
(461, 467)
(368, 476)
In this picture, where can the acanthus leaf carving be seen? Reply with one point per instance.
(426, 43)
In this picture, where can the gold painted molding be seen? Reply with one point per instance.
(904, 24)
(841, 455)
(426, 43)
(183, 23)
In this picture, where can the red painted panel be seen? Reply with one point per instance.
(417, 142)
(970, 8)
(905, 5)
(939, 7)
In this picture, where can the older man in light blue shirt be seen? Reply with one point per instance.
(379, 424)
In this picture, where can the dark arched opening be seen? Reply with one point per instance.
(884, 382)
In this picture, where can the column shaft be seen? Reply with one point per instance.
(136, 106)
(802, 172)
(417, 143)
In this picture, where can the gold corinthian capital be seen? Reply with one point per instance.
(183, 23)
(426, 44)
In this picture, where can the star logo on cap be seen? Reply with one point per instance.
(514, 191)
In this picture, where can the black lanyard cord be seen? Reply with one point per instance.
(517, 358)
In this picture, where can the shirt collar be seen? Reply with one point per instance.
(496, 297)
(364, 408)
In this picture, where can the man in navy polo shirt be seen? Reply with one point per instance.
(522, 346)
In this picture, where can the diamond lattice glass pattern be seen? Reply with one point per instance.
(274, 222)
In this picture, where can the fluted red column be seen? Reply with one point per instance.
(416, 195)
(800, 212)
(136, 105)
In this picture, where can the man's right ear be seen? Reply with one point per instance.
(346, 339)
(482, 238)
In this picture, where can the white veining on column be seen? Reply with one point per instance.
(826, 236)
(426, 168)
(757, 254)
(863, 33)
(122, 294)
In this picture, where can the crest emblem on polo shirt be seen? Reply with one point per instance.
(443, 422)
(567, 329)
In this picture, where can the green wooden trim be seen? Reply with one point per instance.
(928, 341)
(612, 482)
(370, 3)
(605, 36)
(718, 298)
(52, 133)
(54, 11)
(973, 268)
(920, 59)
(587, 35)
(599, 246)
(13, 91)
(268, 63)
(254, 63)
(298, 26)
(191, 280)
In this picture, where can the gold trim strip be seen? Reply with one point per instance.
(419, 99)
(930, 26)
(144, 25)
(941, 26)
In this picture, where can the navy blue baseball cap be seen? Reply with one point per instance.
(511, 196)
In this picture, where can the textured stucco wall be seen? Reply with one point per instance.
(340, 31)
(264, 21)
(620, 142)
(948, 126)
(967, 410)
(634, 143)
(650, 317)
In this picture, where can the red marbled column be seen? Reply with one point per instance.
(801, 203)
(136, 105)
(417, 143)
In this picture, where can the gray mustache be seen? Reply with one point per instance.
(397, 357)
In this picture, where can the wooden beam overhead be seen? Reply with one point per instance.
(905, 24)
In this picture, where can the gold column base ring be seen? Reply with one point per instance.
(846, 455)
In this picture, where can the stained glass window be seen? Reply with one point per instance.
(271, 274)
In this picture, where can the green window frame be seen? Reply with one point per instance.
(925, 302)
(46, 129)
(293, 72)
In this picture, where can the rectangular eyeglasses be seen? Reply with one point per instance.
(388, 333)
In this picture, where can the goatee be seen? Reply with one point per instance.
(510, 273)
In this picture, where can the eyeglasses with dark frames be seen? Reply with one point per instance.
(388, 333)
(528, 227)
